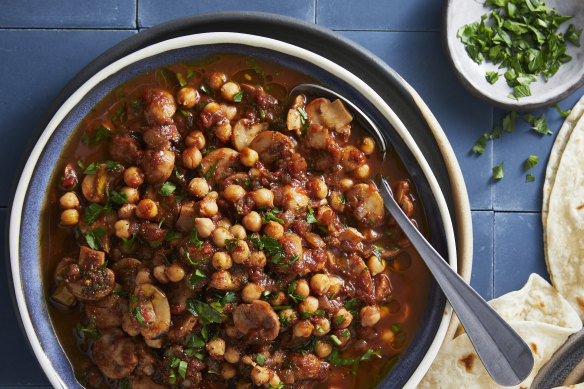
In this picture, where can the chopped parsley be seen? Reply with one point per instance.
(238, 96)
(203, 310)
(562, 113)
(197, 277)
(167, 188)
(92, 237)
(271, 215)
(396, 327)
(337, 360)
(530, 162)
(119, 197)
(538, 124)
(172, 235)
(120, 110)
(129, 242)
(336, 340)
(260, 359)
(102, 134)
(318, 312)
(211, 170)
(338, 320)
(498, 172)
(91, 329)
(310, 216)
(529, 178)
(194, 238)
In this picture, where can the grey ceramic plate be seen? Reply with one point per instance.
(439, 177)
(570, 77)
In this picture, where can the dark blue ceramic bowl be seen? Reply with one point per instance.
(409, 126)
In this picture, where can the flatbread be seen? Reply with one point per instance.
(539, 314)
(537, 301)
(458, 366)
(575, 386)
(556, 154)
(565, 222)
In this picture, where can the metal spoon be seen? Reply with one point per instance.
(506, 357)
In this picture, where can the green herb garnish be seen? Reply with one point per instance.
(498, 172)
(167, 188)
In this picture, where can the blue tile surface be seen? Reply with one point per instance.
(29, 86)
(19, 364)
(412, 15)
(152, 12)
(518, 250)
(482, 276)
(63, 13)
(512, 193)
(419, 59)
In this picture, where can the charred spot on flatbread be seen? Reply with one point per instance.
(468, 362)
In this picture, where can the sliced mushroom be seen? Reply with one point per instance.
(316, 136)
(272, 145)
(160, 106)
(257, 320)
(107, 311)
(335, 115)
(153, 306)
(366, 204)
(186, 218)
(114, 354)
(160, 136)
(222, 161)
(314, 108)
(293, 119)
(126, 270)
(245, 131)
(90, 279)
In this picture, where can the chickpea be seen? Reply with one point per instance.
(208, 207)
(175, 272)
(263, 198)
(133, 177)
(346, 320)
(367, 145)
(187, 97)
(146, 209)
(303, 329)
(369, 315)
(320, 284)
(216, 79)
(274, 229)
(204, 227)
(251, 292)
(225, 223)
(229, 90)
(213, 195)
(278, 299)
(69, 217)
(254, 172)
(323, 349)
(337, 203)
(252, 221)
(288, 315)
(221, 260)
(314, 240)
(248, 157)
(257, 259)
(233, 193)
(198, 187)
(346, 184)
(195, 139)
(122, 228)
(230, 111)
(132, 194)
(220, 235)
(362, 172)
(335, 286)
(216, 348)
(322, 326)
(388, 336)
(275, 381)
(126, 211)
(260, 375)
(223, 131)
(228, 371)
(302, 288)
(221, 280)
(159, 273)
(240, 252)
(191, 158)
(69, 200)
(309, 305)
(319, 189)
(231, 355)
(376, 265)
(238, 231)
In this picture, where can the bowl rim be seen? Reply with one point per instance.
(25, 178)
(508, 104)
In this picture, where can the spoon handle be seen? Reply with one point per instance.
(504, 354)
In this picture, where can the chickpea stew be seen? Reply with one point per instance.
(204, 230)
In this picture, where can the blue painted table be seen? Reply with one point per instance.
(44, 44)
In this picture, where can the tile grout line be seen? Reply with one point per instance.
(67, 28)
(137, 5)
(315, 11)
(493, 258)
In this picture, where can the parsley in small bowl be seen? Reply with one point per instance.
(516, 54)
